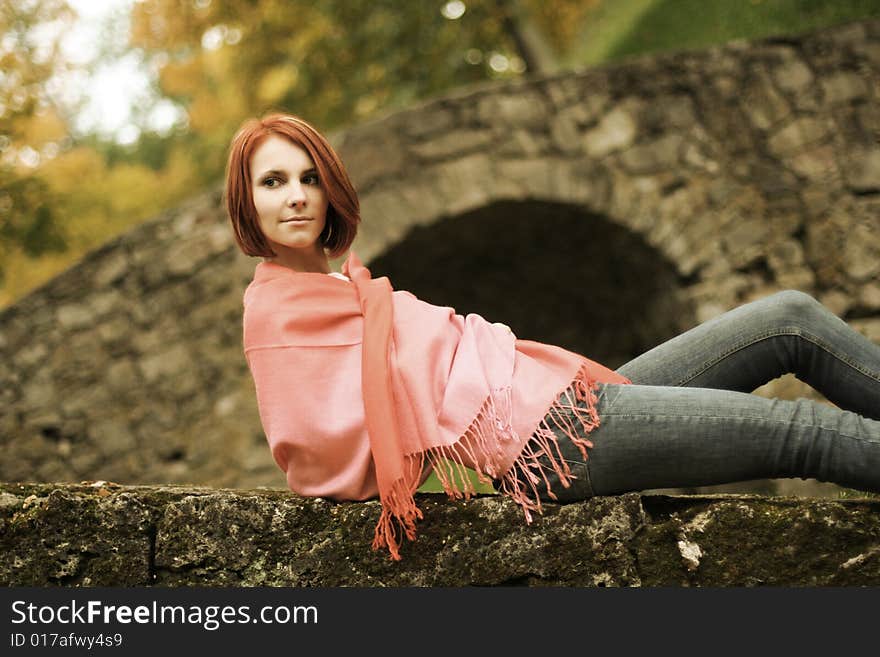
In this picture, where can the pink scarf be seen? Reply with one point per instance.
(435, 386)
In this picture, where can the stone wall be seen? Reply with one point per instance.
(177, 536)
(601, 210)
(129, 366)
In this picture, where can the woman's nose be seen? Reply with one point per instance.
(296, 196)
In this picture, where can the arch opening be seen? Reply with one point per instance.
(553, 272)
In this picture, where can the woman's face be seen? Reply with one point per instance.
(290, 201)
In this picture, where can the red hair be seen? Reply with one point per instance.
(343, 211)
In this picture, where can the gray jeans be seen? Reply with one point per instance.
(688, 420)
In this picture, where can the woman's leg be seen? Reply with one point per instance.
(668, 437)
(787, 332)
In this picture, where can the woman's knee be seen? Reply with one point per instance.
(794, 299)
(793, 307)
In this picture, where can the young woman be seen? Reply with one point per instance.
(363, 391)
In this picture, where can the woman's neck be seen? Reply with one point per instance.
(313, 261)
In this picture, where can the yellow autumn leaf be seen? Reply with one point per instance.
(46, 126)
(182, 78)
(276, 82)
(71, 168)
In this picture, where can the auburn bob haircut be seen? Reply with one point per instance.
(343, 211)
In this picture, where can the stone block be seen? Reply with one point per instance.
(372, 155)
(796, 279)
(676, 113)
(464, 184)
(112, 437)
(695, 156)
(419, 124)
(187, 255)
(862, 169)
(870, 328)
(113, 267)
(122, 376)
(869, 295)
(745, 240)
(526, 108)
(82, 400)
(105, 301)
(816, 201)
(843, 87)
(565, 135)
(786, 254)
(173, 359)
(581, 182)
(792, 76)
(532, 176)
(522, 143)
(421, 202)
(816, 164)
(836, 301)
(659, 155)
(870, 51)
(452, 143)
(578, 90)
(38, 392)
(31, 355)
(797, 133)
(615, 131)
(74, 316)
(762, 103)
(862, 261)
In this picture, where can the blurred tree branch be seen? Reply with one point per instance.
(30, 128)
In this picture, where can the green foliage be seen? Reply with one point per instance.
(151, 150)
(26, 215)
(605, 26)
(686, 24)
(432, 483)
(29, 128)
(334, 63)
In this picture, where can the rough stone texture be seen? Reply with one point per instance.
(177, 536)
(603, 210)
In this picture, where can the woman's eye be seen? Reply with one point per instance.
(311, 179)
(271, 182)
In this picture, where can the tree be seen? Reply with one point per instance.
(30, 127)
(335, 62)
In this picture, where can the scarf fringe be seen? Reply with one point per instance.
(522, 480)
(483, 447)
(399, 511)
(481, 443)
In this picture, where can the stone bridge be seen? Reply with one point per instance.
(603, 210)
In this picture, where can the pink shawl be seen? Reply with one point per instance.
(436, 387)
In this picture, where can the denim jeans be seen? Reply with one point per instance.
(688, 419)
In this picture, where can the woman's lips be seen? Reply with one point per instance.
(296, 220)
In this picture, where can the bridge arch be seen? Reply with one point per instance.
(664, 190)
(553, 272)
